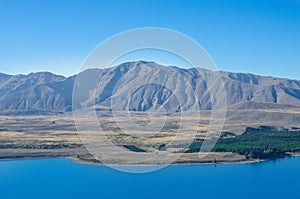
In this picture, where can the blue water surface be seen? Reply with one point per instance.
(62, 178)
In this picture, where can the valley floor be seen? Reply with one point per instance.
(56, 136)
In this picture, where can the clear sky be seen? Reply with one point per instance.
(257, 36)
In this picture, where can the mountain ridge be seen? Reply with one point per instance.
(221, 71)
(45, 91)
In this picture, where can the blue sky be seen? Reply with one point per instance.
(257, 36)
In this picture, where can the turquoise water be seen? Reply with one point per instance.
(62, 178)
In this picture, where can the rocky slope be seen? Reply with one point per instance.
(143, 86)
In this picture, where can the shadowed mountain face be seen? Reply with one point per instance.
(143, 86)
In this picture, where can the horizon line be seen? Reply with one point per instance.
(164, 65)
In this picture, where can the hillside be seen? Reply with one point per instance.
(169, 87)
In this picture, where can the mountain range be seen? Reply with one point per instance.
(142, 86)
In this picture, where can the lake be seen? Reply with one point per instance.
(62, 178)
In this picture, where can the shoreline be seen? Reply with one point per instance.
(93, 162)
(81, 161)
(162, 165)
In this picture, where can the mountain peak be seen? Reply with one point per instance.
(140, 83)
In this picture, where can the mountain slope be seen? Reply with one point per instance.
(34, 92)
(143, 86)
